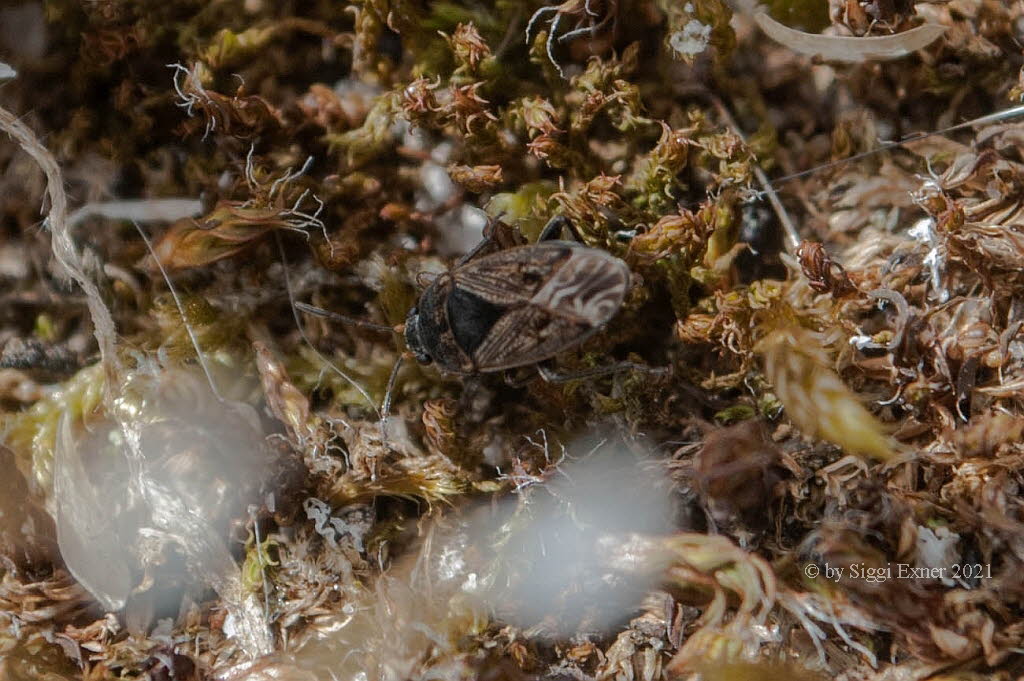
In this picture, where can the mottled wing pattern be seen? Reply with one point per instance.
(589, 287)
(527, 334)
(512, 276)
(572, 301)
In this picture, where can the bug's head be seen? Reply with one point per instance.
(414, 339)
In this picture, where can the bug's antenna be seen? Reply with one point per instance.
(334, 316)
(1005, 114)
(769, 187)
(302, 332)
(385, 409)
(181, 310)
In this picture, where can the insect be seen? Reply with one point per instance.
(501, 310)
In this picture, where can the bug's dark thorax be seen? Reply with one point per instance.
(471, 318)
(440, 338)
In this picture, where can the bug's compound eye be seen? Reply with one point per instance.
(414, 340)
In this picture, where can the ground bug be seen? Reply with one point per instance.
(499, 310)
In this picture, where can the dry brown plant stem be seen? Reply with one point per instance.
(791, 234)
(63, 246)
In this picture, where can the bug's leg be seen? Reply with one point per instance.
(553, 230)
(487, 245)
(551, 377)
(473, 391)
(517, 379)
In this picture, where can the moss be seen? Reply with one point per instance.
(346, 148)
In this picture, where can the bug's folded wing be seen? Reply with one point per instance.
(589, 287)
(552, 296)
(527, 334)
(512, 276)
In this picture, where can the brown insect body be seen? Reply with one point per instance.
(516, 307)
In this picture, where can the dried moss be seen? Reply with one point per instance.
(851, 401)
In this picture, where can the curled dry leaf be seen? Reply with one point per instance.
(439, 425)
(286, 402)
(824, 274)
(814, 396)
(467, 46)
(241, 116)
(844, 48)
(718, 569)
(225, 232)
(476, 179)
(685, 233)
(57, 598)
